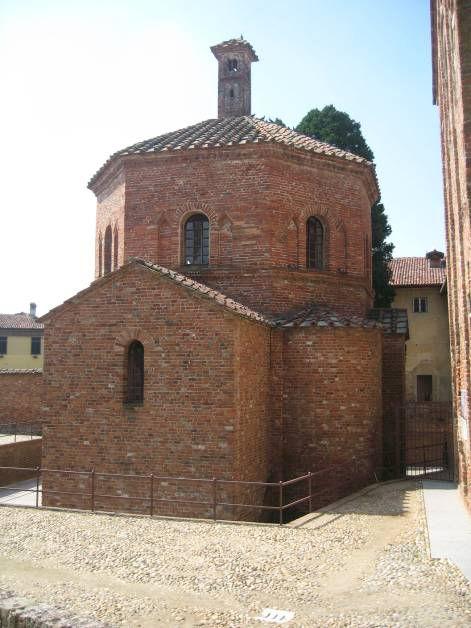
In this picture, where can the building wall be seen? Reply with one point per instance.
(21, 397)
(18, 354)
(189, 424)
(332, 407)
(451, 41)
(257, 199)
(428, 347)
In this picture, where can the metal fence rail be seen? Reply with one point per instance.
(312, 482)
(30, 430)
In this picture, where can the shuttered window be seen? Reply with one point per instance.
(3, 345)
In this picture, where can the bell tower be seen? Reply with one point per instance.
(235, 57)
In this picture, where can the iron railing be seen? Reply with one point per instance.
(30, 430)
(314, 487)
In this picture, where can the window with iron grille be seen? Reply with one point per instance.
(314, 243)
(424, 388)
(3, 345)
(197, 240)
(135, 374)
(36, 345)
(420, 305)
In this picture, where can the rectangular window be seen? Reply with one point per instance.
(420, 305)
(424, 388)
(3, 345)
(36, 345)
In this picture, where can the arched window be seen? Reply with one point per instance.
(115, 249)
(107, 265)
(232, 65)
(100, 256)
(314, 243)
(135, 383)
(196, 240)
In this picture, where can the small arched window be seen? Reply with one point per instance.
(107, 251)
(115, 249)
(135, 374)
(100, 256)
(232, 65)
(314, 243)
(196, 240)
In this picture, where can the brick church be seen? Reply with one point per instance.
(229, 330)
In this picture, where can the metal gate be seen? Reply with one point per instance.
(419, 441)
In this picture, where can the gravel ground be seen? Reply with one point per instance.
(365, 564)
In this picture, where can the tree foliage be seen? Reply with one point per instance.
(337, 128)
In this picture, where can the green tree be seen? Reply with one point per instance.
(337, 128)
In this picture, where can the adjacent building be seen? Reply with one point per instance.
(420, 286)
(21, 341)
(451, 59)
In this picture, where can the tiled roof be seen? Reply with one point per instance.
(314, 315)
(208, 292)
(19, 321)
(415, 271)
(234, 44)
(229, 132)
(20, 371)
(392, 320)
(321, 316)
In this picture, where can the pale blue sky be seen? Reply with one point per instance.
(81, 79)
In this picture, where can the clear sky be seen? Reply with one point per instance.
(81, 79)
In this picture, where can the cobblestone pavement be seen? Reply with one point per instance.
(365, 564)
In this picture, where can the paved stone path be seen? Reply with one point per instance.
(365, 564)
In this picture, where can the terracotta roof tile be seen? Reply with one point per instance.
(321, 316)
(204, 290)
(19, 321)
(235, 44)
(415, 271)
(228, 132)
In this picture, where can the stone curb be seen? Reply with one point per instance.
(18, 612)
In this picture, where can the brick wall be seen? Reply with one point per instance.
(189, 424)
(332, 411)
(394, 390)
(257, 199)
(21, 397)
(25, 454)
(451, 44)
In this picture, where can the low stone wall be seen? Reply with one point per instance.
(25, 454)
(21, 395)
(18, 612)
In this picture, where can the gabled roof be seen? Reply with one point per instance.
(186, 282)
(229, 132)
(391, 321)
(415, 271)
(19, 321)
